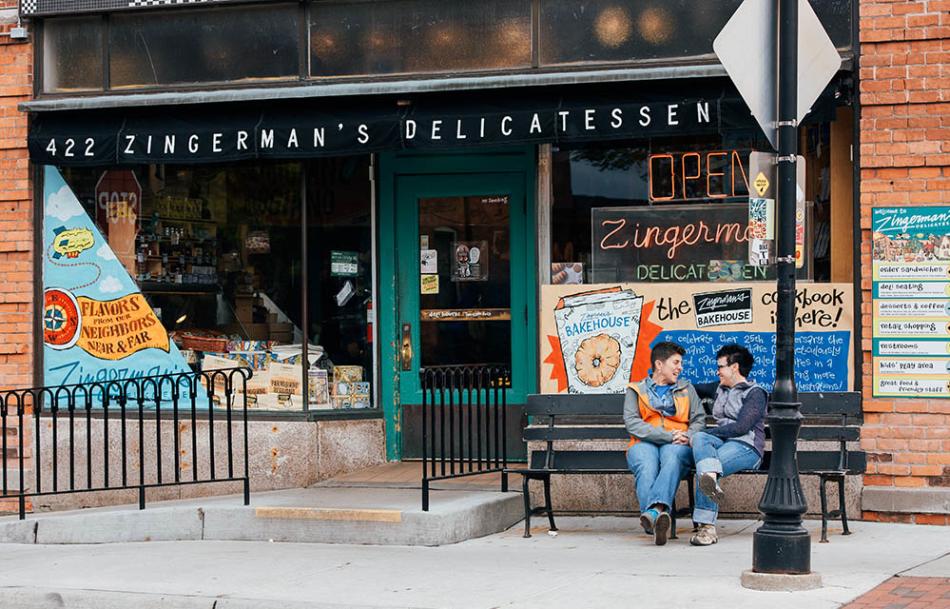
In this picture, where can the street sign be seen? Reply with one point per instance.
(748, 48)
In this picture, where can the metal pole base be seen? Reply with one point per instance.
(772, 582)
(781, 550)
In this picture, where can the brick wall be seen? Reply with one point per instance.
(16, 214)
(905, 160)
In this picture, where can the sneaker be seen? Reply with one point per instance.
(647, 520)
(709, 485)
(661, 528)
(706, 536)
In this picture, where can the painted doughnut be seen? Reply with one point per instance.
(597, 359)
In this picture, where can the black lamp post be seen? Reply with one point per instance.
(781, 545)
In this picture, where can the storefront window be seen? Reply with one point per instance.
(396, 36)
(250, 43)
(607, 30)
(218, 252)
(72, 55)
(340, 286)
(678, 210)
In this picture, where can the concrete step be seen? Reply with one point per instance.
(376, 516)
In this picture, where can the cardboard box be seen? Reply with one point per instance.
(244, 308)
(347, 374)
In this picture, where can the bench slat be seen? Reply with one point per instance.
(825, 460)
(575, 433)
(574, 404)
(616, 432)
(813, 404)
(583, 460)
(839, 403)
(616, 461)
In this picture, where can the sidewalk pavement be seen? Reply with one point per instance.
(594, 562)
(907, 593)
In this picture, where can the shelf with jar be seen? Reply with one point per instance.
(172, 256)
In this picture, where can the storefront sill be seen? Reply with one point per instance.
(337, 415)
(220, 416)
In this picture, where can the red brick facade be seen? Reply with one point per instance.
(905, 160)
(16, 211)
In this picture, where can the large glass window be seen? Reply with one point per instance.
(219, 252)
(180, 47)
(349, 38)
(396, 36)
(72, 55)
(340, 271)
(678, 209)
(608, 30)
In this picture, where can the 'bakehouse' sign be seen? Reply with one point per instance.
(215, 134)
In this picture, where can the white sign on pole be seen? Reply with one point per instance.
(748, 48)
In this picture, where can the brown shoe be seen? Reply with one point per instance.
(706, 536)
(661, 528)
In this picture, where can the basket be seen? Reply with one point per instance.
(202, 343)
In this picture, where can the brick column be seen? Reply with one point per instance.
(905, 160)
(16, 218)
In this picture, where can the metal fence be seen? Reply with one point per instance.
(91, 458)
(463, 423)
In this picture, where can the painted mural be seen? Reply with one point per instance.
(97, 325)
(597, 338)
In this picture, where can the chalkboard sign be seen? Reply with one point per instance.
(672, 243)
(821, 358)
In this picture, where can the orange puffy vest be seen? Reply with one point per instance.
(679, 421)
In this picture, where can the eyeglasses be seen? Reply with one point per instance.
(721, 366)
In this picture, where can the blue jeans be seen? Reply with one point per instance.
(658, 470)
(724, 457)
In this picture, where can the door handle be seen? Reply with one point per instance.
(405, 351)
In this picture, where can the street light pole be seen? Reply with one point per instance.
(781, 545)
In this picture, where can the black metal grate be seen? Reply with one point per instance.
(108, 444)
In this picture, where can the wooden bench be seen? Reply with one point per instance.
(827, 417)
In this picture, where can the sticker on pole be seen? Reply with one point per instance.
(761, 184)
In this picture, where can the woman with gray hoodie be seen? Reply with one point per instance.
(737, 442)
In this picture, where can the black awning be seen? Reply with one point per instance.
(227, 132)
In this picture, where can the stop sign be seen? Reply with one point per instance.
(118, 198)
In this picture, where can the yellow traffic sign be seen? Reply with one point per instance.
(761, 184)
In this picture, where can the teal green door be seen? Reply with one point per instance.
(463, 277)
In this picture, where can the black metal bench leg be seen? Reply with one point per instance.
(527, 506)
(691, 489)
(843, 507)
(824, 509)
(673, 520)
(547, 502)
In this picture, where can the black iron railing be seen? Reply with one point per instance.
(108, 445)
(463, 423)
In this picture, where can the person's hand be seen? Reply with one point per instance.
(681, 438)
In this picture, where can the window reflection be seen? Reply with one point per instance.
(418, 36)
(609, 30)
(188, 46)
(72, 55)
(218, 252)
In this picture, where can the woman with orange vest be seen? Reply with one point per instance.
(661, 413)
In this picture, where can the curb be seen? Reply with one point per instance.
(471, 518)
(50, 598)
